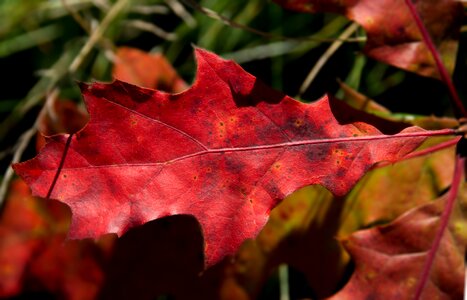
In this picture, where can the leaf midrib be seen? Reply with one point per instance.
(422, 133)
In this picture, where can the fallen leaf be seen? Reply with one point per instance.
(34, 256)
(26, 226)
(392, 35)
(389, 259)
(226, 151)
(147, 70)
(312, 216)
(72, 269)
(385, 193)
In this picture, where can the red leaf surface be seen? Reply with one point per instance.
(72, 269)
(390, 259)
(26, 227)
(34, 256)
(393, 36)
(147, 70)
(226, 151)
(302, 229)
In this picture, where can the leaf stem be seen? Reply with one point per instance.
(445, 77)
(60, 166)
(450, 200)
(339, 140)
(426, 151)
(205, 151)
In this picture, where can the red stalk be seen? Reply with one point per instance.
(450, 201)
(445, 77)
(60, 167)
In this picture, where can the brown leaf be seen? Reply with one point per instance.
(389, 259)
(302, 229)
(392, 35)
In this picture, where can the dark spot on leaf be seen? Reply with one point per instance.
(273, 190)
(233, 165)
(341, 172)
(284, 214)
(298, 123)
(400, 30)
(243, 191)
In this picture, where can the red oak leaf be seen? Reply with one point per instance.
(226, 151)
(393, 36)
(390, 260)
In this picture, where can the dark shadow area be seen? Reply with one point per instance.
(346, 114)
(298, 286)
(161, 258)
(316, 255)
